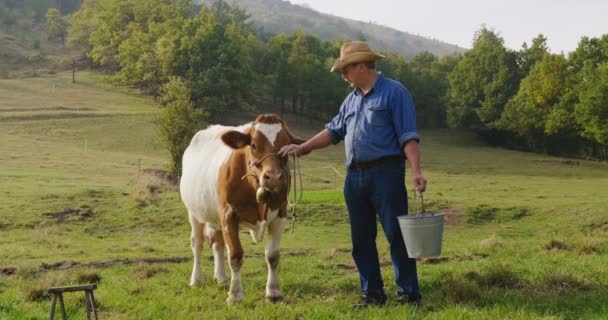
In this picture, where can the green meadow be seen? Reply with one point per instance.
(83, 199)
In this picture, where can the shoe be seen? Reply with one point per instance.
(371, 300)
(405, 299)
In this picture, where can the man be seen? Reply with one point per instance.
(377, 122)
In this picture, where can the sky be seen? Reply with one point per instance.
(563, 22)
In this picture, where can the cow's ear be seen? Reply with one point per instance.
(236, 139)
(296, 140)
(292, 138)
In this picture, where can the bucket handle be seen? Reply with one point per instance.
(416, 202)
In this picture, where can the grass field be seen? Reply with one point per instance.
(81, 201)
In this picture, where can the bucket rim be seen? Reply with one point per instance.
(421, 215)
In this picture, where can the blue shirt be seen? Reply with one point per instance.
(375, 125)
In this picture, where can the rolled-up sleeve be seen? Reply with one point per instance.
(337, 126)
(404, 116)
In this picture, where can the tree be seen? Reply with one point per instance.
(179, 120)
(217, 59)
(481, 83)
(83, 23)
(428, 88)
(279, 47)
(592, 110)
(528, 57)
(56, 25)
(536, 110)
(590, 53)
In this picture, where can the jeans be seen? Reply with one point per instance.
(379, 190)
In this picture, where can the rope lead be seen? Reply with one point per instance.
(297, 197)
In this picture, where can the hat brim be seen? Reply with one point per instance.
(356, 58)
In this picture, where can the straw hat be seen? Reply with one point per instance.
(355, 52)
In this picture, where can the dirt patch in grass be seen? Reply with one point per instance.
(88, 277)
(7, 271)
(443, 259)
(143, 272)
(150, 184)
(69, 264)
(126, 261)
(70, 214)
(561, 282)
(499, 276)
(62, 265)
(597, 226)
(589, 247)
(459, 290)
(556, 245)
(434, 260)
(482, 214)
(347, 267)
(339, 251)
(453, 215)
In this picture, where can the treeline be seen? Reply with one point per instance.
(528, 99)
(18, 15)
(532, 99)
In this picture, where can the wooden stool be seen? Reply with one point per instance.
(89, 299)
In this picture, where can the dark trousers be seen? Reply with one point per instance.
(379, 190)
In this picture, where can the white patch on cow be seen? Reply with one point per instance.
(270, 130)
(200, 169)
(271, 214)
(275, 232)
(257, 231)
(235, 293)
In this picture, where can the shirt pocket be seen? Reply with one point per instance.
(377, 115)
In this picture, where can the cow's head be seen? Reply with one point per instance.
(263, 141)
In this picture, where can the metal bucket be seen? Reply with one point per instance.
(422, 233)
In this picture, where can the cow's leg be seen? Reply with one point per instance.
(218, 257)
(235, 253)
(197, 245)
(275, 231)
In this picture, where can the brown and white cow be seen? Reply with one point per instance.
(232, 177)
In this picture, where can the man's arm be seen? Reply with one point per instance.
(320, 140)
(412, 153)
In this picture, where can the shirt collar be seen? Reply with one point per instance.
(377, 85)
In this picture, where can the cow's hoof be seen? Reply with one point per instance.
(196, 281)
(274, 299)
(221, 278)
(234, 298)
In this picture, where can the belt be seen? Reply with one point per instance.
(373, 163)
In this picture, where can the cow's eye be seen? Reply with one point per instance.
(253, 146)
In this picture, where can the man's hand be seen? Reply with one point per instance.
(419, 182)
(298, 150)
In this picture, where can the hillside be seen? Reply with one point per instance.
(24, 39)
(276, 16)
